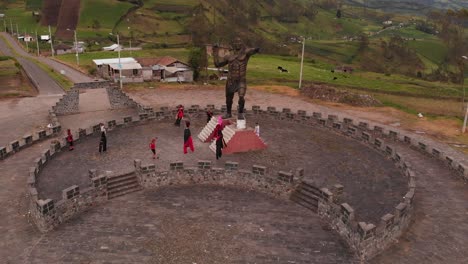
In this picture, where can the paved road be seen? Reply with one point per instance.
(72, 74)
(43, 82)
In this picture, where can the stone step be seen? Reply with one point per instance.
(120, 177)
(309, 190)
(124, 191)
(305, 201)
(124, 182)
(123, 188)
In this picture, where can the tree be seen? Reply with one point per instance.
(197, 61)
(338, 13)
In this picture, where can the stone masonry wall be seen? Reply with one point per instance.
(92, 85)
(259, 178)
(119, 99)
(68, 104)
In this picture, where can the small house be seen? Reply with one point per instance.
(131, 72)
(28, 38)
(166, 69)
(102, 65)
(45, 38)
(62, 49)
(113, 47)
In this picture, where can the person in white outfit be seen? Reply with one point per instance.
(257, 129)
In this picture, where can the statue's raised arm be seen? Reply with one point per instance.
(218, 60)
(252, 51)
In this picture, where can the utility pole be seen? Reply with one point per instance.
(17, 31)
(51, 42)
(302, 63)
(462, 70)
(37, 44)
(120, 65)
(11, 27)
(76, 50)
(4, 24)
(24, 39)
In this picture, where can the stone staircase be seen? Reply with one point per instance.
(228, 133)
(205, 134)
(122, 184)
(306, 195)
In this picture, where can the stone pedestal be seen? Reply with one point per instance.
(241, 124)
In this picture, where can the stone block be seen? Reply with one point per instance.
(271, 109)
(231, 166)
(407, 139)
(322, 121)
(299, 173)
(204, 164)
(400, 210)
(81, 133)
(137, 164)
(327, 195)
(338, 189)
(92, 173)
(111, 124)
(286, 110)
(41, 134)
(45, 206)
(389, 150)
(393, 134)
(422, 146)
(96, 128)
(317, 115)
(363, 125)
(285, 176)
(301, 113)
(70, 192)
(337, 125)
(178, 165)
(332, 118)
(366, 231)
(435, 153)
(143, 116)
(378, 129)
(128, 119)
(347, 120)
(28, 139)
(99, 181)
(56, 128)
(260, 170)
(378, 143)
(409, 196)
(15, 146)
(366, 136)
(3, 152)
(387, 221)
(347, 213)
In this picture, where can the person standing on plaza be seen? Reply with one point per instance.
(70, 140)
(209, 115)
(152, 147)
(180, 115)
(188, 142)
(257, 129)
(103, 140)
(220, 144)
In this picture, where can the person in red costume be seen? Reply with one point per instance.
(188, 142)
(180, 115)
(70, 140)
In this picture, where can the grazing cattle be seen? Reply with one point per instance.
(334, 78)
(284, 70)
(280, 68)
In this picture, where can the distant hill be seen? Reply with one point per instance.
(411, 6)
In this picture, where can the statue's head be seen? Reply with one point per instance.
(237, 44)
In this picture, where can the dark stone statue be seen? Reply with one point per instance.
(237, 65)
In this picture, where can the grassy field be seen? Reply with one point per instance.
(13, 82)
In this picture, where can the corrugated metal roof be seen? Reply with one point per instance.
(114, 60)
(126, 66)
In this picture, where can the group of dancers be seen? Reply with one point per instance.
(188, 141)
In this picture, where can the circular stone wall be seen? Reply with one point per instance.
(373, 185)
